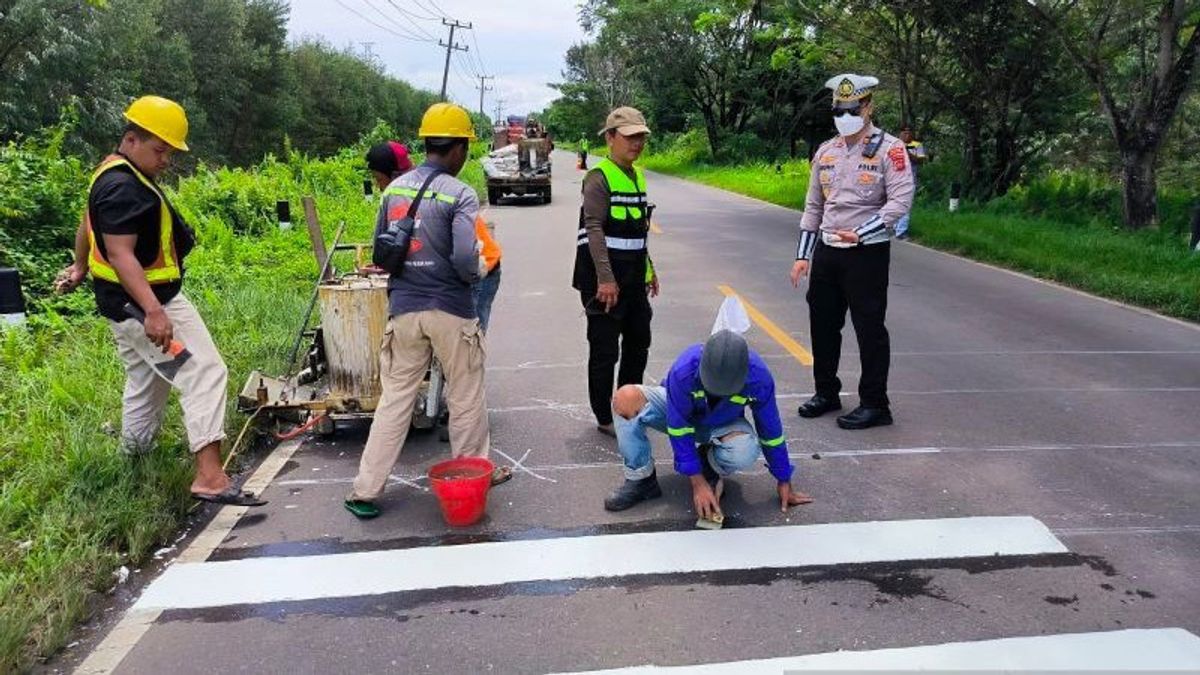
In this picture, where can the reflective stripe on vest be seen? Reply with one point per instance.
(411, 193)
(622, 244)
(165, 268)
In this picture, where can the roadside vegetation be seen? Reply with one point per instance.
(1063, 227)
(73, 511)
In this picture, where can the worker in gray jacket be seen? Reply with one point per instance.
(860, 185)
(431, 309)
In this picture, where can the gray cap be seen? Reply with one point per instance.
(724, 363)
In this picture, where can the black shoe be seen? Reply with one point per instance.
(865, 418)
(819, 405)
(633, 492)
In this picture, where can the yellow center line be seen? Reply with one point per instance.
(794, 348)
(655, 228)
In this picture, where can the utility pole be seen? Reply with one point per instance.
(369, 47)
(499, 107)
(482, 88)
(450, 47)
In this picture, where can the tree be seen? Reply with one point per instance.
(708, 52)
(1140, 59)
(983, 61)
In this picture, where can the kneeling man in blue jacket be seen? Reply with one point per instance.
(701, 407)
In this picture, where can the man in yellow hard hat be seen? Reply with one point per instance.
(430, 306)
(134, 244)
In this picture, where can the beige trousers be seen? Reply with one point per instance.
(201, 381)
(409, 342)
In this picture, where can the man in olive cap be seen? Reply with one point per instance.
(702, 408)
(861, 184)
(613, 272)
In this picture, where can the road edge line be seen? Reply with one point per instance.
(108, 655)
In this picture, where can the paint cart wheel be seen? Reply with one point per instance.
(326, 427)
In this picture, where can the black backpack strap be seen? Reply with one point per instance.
(416, 202)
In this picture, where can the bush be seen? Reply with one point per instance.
(41, 201)
(72, 509)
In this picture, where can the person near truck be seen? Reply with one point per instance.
(859, 187)
(613, 272)
(701, 406)
(135, 244)
(431, 309)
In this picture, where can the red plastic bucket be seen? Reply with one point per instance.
(461, 486)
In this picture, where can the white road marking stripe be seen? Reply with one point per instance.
(106, 656)
(260, 580)
(1170, 649)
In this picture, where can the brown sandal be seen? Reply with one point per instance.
(501, 474)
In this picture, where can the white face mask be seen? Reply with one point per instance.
(848, 125)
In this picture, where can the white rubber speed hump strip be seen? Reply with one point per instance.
(1160, 650)
(281, 579)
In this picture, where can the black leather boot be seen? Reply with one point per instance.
(633, 492)
(865, 418)
(819, 405)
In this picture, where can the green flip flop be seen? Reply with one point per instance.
(362, 510)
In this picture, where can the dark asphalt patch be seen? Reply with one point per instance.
(892, 581)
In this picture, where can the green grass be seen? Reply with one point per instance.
(1150, 269)
(72, 509)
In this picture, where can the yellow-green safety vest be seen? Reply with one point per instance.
(165, 267)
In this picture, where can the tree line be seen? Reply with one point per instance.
(1003, 88)
(247, 90)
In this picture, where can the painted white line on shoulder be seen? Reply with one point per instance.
(125, 635)
(1158, 649)
(260, 580)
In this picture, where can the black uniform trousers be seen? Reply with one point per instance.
(855, 279)
(621, 335)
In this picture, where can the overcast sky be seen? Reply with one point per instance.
(521, 42)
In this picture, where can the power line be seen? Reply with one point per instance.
(437, 9)
(404, 14)
(355, 12)
(434, 13)
(415, 16)
(478, 52)
(407, 31)
(468, 64)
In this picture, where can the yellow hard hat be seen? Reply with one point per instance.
(446, 120)
(162, 117)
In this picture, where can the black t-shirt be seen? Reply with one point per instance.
(119, 203)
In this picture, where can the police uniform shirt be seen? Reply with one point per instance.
(850, 191)
(120, 204)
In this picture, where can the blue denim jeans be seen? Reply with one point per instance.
(727, 457)
(484, 292)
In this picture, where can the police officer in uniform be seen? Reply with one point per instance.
(860, 186)
(613, 272)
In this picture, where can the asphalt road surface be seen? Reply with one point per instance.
(1036, 503)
